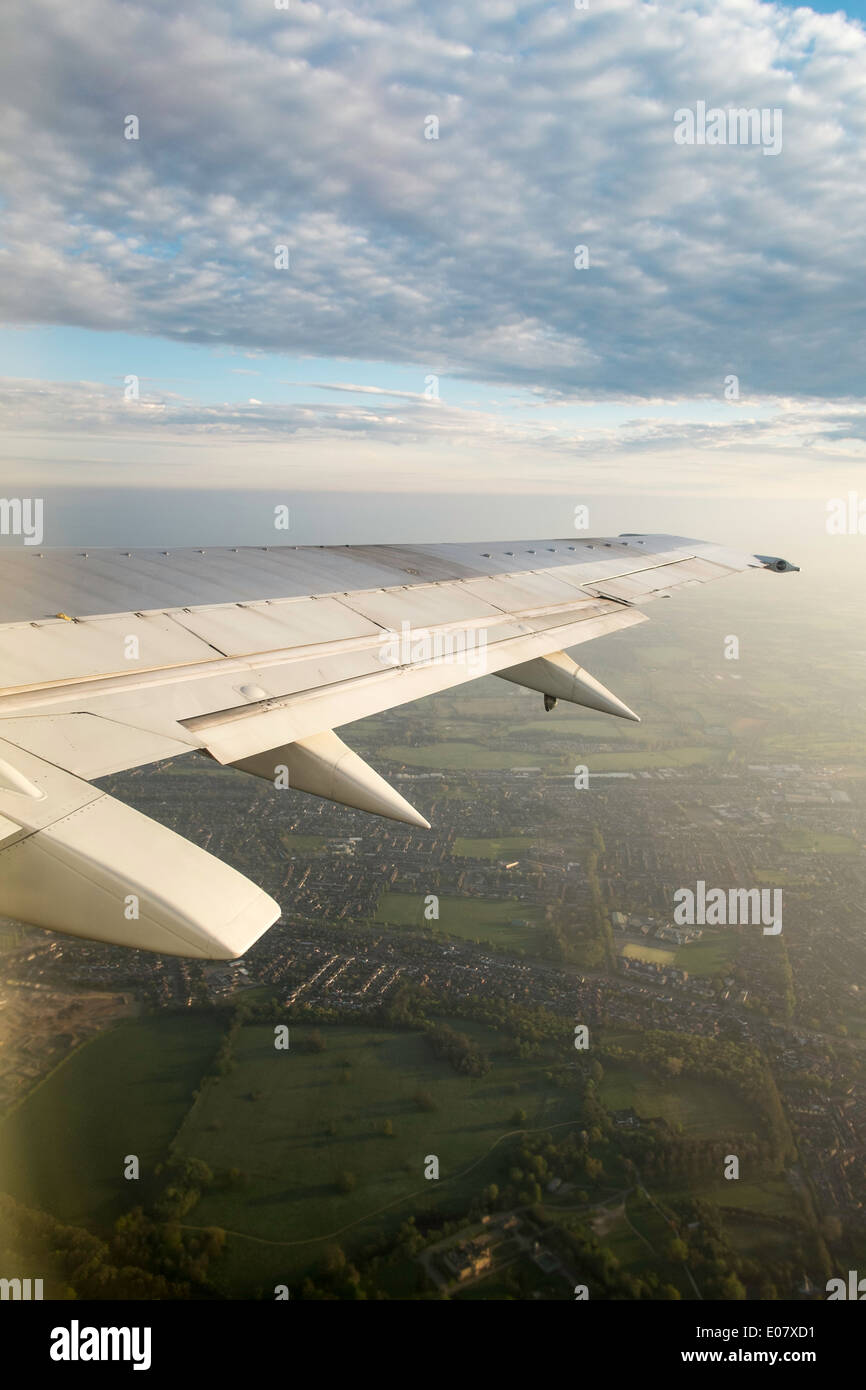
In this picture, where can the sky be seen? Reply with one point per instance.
(450, 251)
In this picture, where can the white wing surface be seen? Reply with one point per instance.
(111, 659)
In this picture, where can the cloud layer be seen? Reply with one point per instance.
(305, 128)
(57, 432)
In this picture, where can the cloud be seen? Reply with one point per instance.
(366, 390)
(167, 437)
(305, 129)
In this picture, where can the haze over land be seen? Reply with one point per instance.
(742, 772)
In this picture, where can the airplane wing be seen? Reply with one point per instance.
(110, 659)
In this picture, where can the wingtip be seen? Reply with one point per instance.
(777, 564)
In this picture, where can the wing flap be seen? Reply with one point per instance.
(230, 735)
(257, 654)
(89, 745)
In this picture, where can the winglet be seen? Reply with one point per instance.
(772, 562)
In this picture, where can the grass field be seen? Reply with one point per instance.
(802, 841)
(648, 1221)
(315, 1115)
(772, 1196)
(746, 1233)
(776, 878)
(751, 1212)
(473, 755)
(303, 844)
(509, 847)
(126, 1092)
(322, 1114)
(712, 955)
(566, 723)
(701, 1108)
(640, 760)
(655, 954)
(855, 1023)
(442, 756)
(473, 919)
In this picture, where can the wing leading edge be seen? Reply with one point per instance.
(256, 657)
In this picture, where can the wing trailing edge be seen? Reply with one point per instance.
(256, 657)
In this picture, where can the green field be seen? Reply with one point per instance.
(855, 1023)
(703, 1109)
(474, 919)
(776, 878)
(772, 1196)
(320, 1114)
(743, 1204)
(712, 955)
(800, 841)
(126, 1092)
(291, 1122)
(658, 955)
(746, 1233)
(565, 723)
(303, 844)
(625, 1242)
(459, 756)
(474, 755)
(509, 847)
(640, 760)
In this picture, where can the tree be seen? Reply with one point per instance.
(334, 1260)
(732, 1288)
